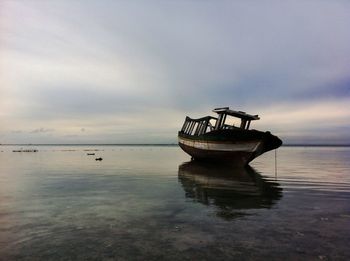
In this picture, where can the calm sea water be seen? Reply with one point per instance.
(151, 203)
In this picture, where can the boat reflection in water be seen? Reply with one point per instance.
(232, 190)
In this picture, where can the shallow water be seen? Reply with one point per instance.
(149, 202)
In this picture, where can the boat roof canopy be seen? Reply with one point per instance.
(238, 114)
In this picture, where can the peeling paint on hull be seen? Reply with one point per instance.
(244, 146)
(240, 153)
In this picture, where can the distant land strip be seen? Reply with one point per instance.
(90, 144)
(158, 144)
(315, 145)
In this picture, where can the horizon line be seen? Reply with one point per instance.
(161, 144)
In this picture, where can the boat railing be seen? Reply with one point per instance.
(197, 126)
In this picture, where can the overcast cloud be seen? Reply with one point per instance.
(130, 71)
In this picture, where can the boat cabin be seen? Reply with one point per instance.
(209, 123)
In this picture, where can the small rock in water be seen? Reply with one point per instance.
(99, 159)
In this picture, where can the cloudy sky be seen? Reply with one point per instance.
(130, 71)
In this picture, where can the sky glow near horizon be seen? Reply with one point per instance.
(129, 72)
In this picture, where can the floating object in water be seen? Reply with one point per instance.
(91, 154)
(211, 138)
(99, 159)
(27, 150)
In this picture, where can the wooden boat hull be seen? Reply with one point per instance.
(228, 145)
(237, 153)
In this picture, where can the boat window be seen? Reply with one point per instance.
(198, 126)
(233, 122)
(211, 125)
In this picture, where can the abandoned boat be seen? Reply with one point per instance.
(224, 139)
